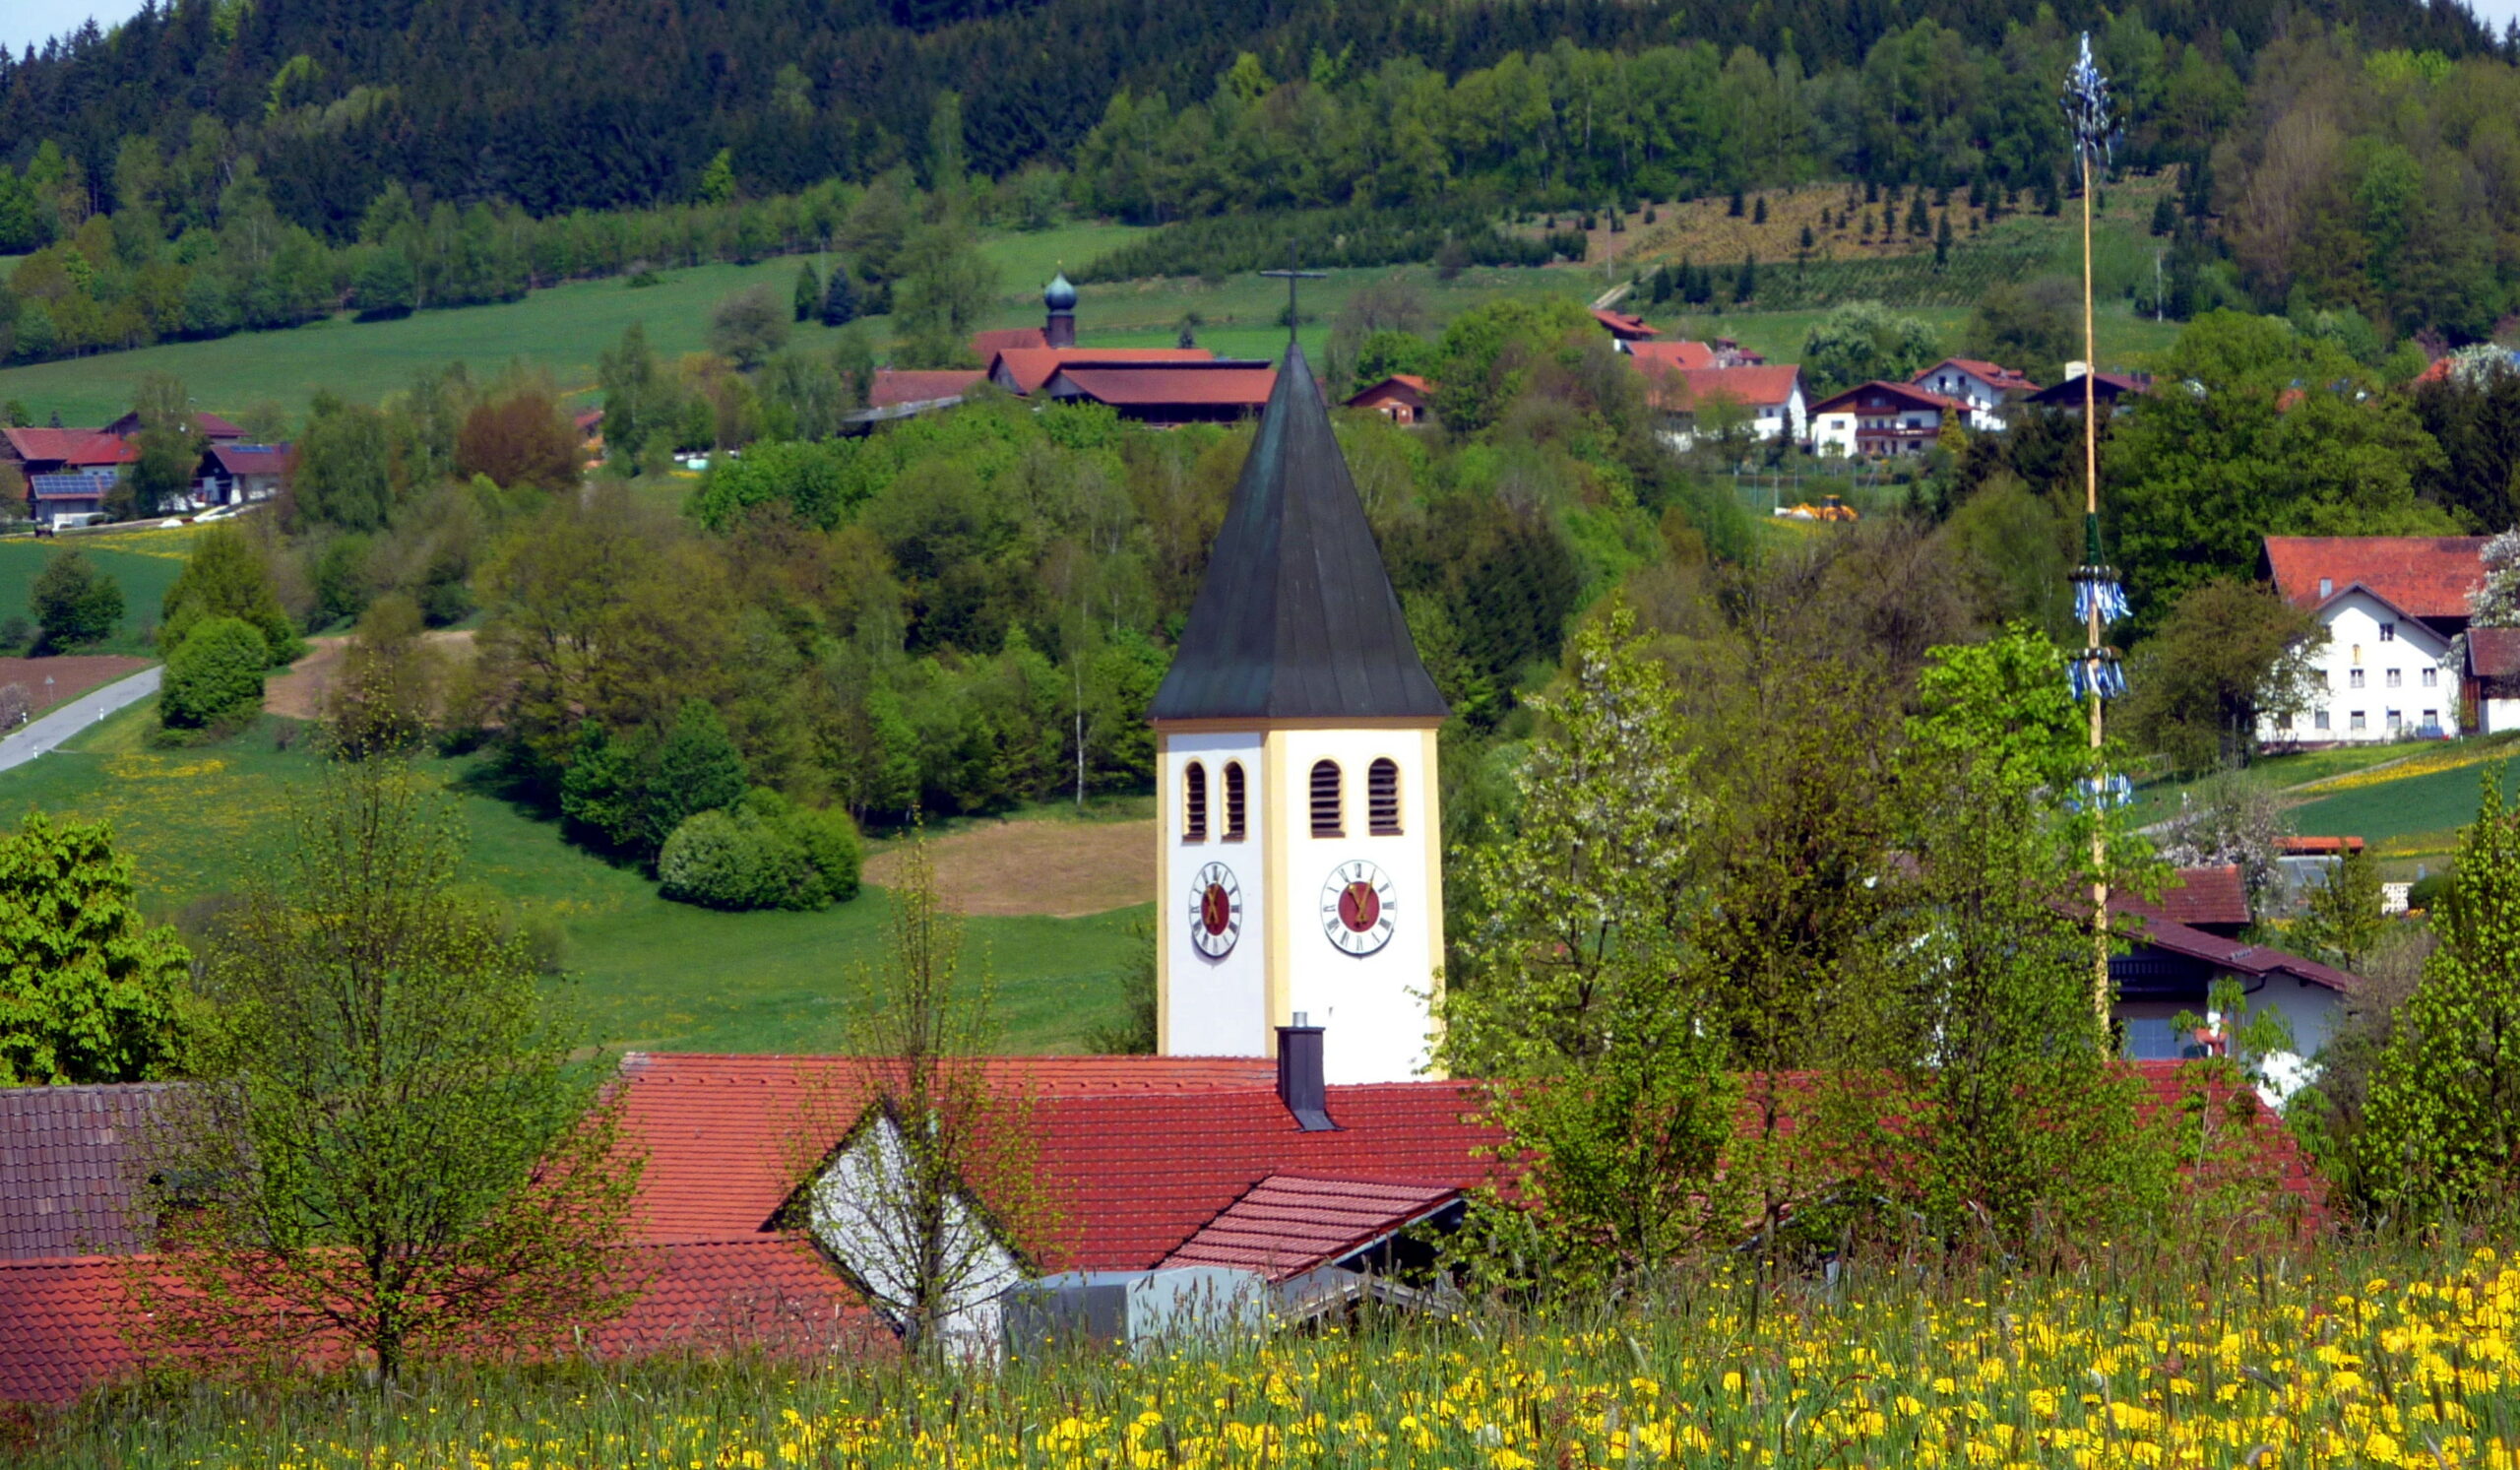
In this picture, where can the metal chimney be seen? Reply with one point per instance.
(1299, 1084)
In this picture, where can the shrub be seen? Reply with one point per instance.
(726, 860)
(15, 705)
(73, 603)
(224, 577)
(216, 674)
(761, 853)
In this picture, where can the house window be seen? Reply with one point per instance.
(2432, 719)
(1234, 801)
(2396, 723)
(2395, 678)
(2286, 724)
(2431, 678)
(2318, 721)
(1382, 798)
(2353, 678)
(2327, 587)
(1325, 798)
(1194, 803)
(2353, 721)
(2388, 632)
(2357, 654)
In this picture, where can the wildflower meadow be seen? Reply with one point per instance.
(2360, 1358)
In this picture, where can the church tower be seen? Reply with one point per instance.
(1299, 832)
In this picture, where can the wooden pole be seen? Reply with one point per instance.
(2092, 630)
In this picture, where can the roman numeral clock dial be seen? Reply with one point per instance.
(1216, 911)
(1356, 907)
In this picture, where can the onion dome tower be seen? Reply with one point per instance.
(1058, 329)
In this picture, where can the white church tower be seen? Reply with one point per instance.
(1295, 739)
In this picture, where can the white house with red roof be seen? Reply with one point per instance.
(1985, 387)
(1881, 419)
(1768, 397)
(2393, 608)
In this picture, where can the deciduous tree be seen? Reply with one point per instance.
(88, 990)
(396, 1153)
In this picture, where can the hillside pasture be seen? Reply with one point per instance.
(644, 972)
(143, 563)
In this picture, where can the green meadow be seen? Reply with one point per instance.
(145, 563)
(642, 972)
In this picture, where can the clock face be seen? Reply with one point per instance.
(1356, 907)
(1216, 911)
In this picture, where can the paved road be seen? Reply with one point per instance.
(75, 715)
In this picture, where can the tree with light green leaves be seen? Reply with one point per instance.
(2441, 1133)
(1987, 1029)
(226, 577)
(2343, 921)
(1570, 988)
(397, 1153)
(939, 304)
(88, 990)
(1860, 341)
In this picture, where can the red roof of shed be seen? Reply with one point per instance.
(1654, 358)
(1026, 369)
(1245, 385)
(894, 386)
(1288, 1224)
(1621, 325)
(990, 343)
(2423, 576)
(2200, 895)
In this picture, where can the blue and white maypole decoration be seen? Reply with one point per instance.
(2098, 598)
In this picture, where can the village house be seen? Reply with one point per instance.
(1985, 388)
(1402, 398)
(1625, 330)
(2392, 609)
(1762, 403)
(241, 473)
(2190, 938)
(2106, 387)
(1879, 421)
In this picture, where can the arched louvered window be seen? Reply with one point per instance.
(1382, 798)
(1234, 801)
(1194, 803)
(1325, 798)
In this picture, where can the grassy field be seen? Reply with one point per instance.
(2415, 815)
(562, 329)
(2345, 1356)
(647, 973)
(144, 562)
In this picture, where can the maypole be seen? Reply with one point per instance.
(2098, 600)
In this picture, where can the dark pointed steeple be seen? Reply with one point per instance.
(1296, 620)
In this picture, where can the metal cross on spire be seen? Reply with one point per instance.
(1292, 275)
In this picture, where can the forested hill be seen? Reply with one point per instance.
(559, 104)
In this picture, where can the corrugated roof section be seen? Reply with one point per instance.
(1219, 384)
(1288, 1224)
(1297, 618)
(65, 1156)
(903, 385)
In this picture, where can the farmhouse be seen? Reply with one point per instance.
(1985, 387)
(65, 451)
(1624, 330)
(2106, 387)
(1880, 419)
(1765, 403)
(2392, 608)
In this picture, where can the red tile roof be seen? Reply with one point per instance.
(718, 1129)
(2260, 960)
(1682, 390)
(1288, 1224)
(1654, 358)
(66, 1318)
(1907, 394)
(2493, 653)
(2423, 576)
(2200, 896)
(1245, 385)
(253, 459)
(1994, 374)
(1621, 325)
(73, 447)
(1405, 386)
(894, 386)
(988, 344)
(1026, 369)
(64, 1157)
